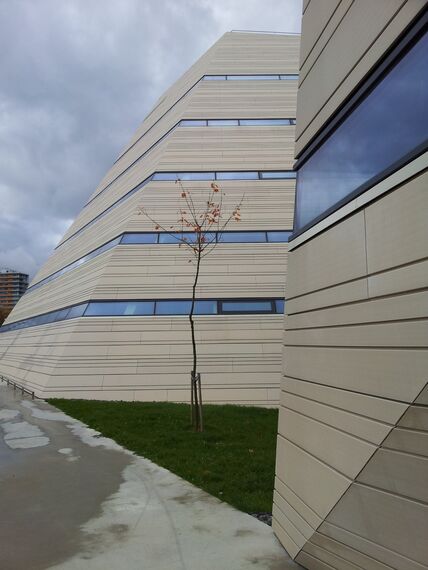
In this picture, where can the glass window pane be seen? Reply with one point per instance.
(76, 311)
(170, 238)
(289, 76)
(138, 308)
(139, 238)
(173, 307)
(279, 236)
(165, 176)
(214, 77)
(292, 121)
(280, 306)
(193, 123)
(387, 125)
(61, 315)
(119, 308)
(205, 308)
(237, 175)
(252, 77)
(279, 174)
(263, 122)
(246, 306)
(223, 123)
(49, 318)
(189, 237)
(195, 175)
(236, 237)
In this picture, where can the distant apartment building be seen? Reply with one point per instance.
(13, 285)
(351, 486)
(106, 316)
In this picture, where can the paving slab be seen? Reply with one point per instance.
(71, 499)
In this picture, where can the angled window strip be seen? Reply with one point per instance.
(197, 123)
(150, 238)
(334, 169)
(291, 76)
(174, 176)
(152, 307)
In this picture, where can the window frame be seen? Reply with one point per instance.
(397, 51)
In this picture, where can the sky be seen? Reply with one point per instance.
(77, 79)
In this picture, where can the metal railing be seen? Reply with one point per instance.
(18, 387)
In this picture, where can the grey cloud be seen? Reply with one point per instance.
(77, 79)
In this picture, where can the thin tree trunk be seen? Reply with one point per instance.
(197, 414)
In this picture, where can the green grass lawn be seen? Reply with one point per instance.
(233, 459)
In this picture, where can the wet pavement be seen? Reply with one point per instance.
(73, 500)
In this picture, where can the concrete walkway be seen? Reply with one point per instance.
(72, 500)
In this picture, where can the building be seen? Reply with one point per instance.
(13, 285)
(105, 316)
(352, 460)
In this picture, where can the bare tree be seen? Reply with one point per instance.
(198, 228)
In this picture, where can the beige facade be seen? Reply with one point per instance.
(352, 461)
(149, 357)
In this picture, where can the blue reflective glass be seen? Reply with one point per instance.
(249, 237)
(165, 176)
(223, 123)
(278, 236)
(49, 318)
(387, 125)
(178, 237)
(139, 238)
(263, 122)
(170, 238)
(77, 263)
(62, 314)
(105, 247)
(193, 123)
(279, 174)
(246, 306)
(237, 175)
(76, 311)
(173, 307)
(214, 77)
(205, 308)
(196, 175)
(289, 76)
(279, 306)
(252, 77)
(119, 308)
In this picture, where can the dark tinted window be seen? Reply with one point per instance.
(246, 306)
(279, 305)
(387, 125)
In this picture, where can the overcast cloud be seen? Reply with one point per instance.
(77, 78)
